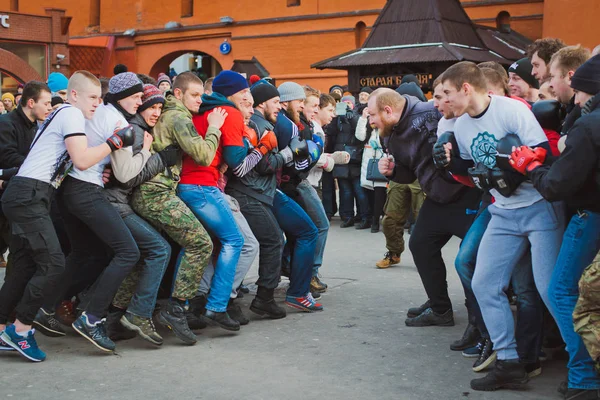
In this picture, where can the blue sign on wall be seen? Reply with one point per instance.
(225, 48)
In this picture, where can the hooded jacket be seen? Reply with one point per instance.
(16, 134)
(411, 143)
(575, 175)
(231, 148)
(119, 193)
(175, 126)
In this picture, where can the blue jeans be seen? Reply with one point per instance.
(297, 227)
(211, 208)
(580, 244)
(350, 189)
(310, 202)
(155, 254)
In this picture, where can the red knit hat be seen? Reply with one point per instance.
(152, 95)
(254, 79)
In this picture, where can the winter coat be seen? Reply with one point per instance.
(341, 132)
(16, 135)
(369, 152)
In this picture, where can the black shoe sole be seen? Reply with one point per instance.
(449, 323)
(462, 347)
(264, 313)
(47, 331)
(134, 328)
(82, 333)
(212, 322)
(163, 321)
(517, 385)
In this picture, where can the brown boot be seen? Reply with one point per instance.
(388, 260)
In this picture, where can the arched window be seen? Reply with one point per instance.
(503, 21)
(360, 33)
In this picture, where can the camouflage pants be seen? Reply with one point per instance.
(400, 200)
(586, 315)
(163, 209)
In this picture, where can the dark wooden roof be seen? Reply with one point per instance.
(250, 67)
(414, 31)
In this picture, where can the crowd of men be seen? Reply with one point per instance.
(105, 181)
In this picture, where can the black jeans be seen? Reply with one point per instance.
(264, 225)
(377, 198)
(37, 258)
(435, 226)
(328, 195)
(93, 223)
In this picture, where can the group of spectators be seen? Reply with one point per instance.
(104, 180)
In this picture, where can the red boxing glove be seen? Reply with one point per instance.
(250, 134)
(267, 143)
(525, 160)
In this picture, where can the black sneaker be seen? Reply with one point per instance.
(430, 318)
(95, 333)
(173, 317)
(235, 313)
(582, 394)
(506, 374)
(375, 225)
(416, 311)
(47, 324)
(364, 224)
(563, 387)
(194, 311)
(469, 339)
(533, 369)
(347, 223)
(244, 289)
(267, 308)
(315, 295)
(486, 357)
(220, 319)
(115, 330)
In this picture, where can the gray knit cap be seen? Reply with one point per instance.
(289, 91)
(124, 85)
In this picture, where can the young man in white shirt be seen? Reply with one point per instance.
(60, 144)
(93, 224)
(520, 217)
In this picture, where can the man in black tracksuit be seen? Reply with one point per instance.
(410, 129)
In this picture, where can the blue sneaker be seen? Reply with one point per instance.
(306, 303)
(4, 346)
(27, 346)
(95, 333)
(473, 352)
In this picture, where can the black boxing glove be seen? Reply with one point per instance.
(6, 174)
(170, 155)
(504, 181)
(299, 148)
(480, 176)
(440, 159)
(550, 114)
(504, 150)
(121, 138)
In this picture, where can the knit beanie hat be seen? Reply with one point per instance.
(366, 90)
(349, 98)
(253, 79)
(411, 89)
(587, 77)
(289, 91)
(57, 82)
(152, 95)
(163, 78)
(8, 96)
(228, 83)
(124, 85)
(263, 92)
(410, 78)
(523, 69)
(331, 89)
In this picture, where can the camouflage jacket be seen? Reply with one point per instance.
(175, 127)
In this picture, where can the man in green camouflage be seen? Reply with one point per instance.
(587, 311)
(157, 200)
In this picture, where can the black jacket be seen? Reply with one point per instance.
(16, 134)
(411, 144)
(340, 135)
(575, 175)
(573, 114)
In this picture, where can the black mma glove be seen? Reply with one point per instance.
(299, 148)
(480, 176)
(440, 160)
(170, 155)
(505, 182)
(6, 174)
(121, 138)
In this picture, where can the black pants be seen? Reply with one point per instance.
(264, 225)
(37, 260)
(377, 198)
(92, 223)
(328, 194)
(435, 226)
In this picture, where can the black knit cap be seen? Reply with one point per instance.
(587, 77)
(366, 89)
(263, 92)
(523, 69)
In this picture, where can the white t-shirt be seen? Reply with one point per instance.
(445, 125)
(477, 139)
(105, 121)
(48, 160)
